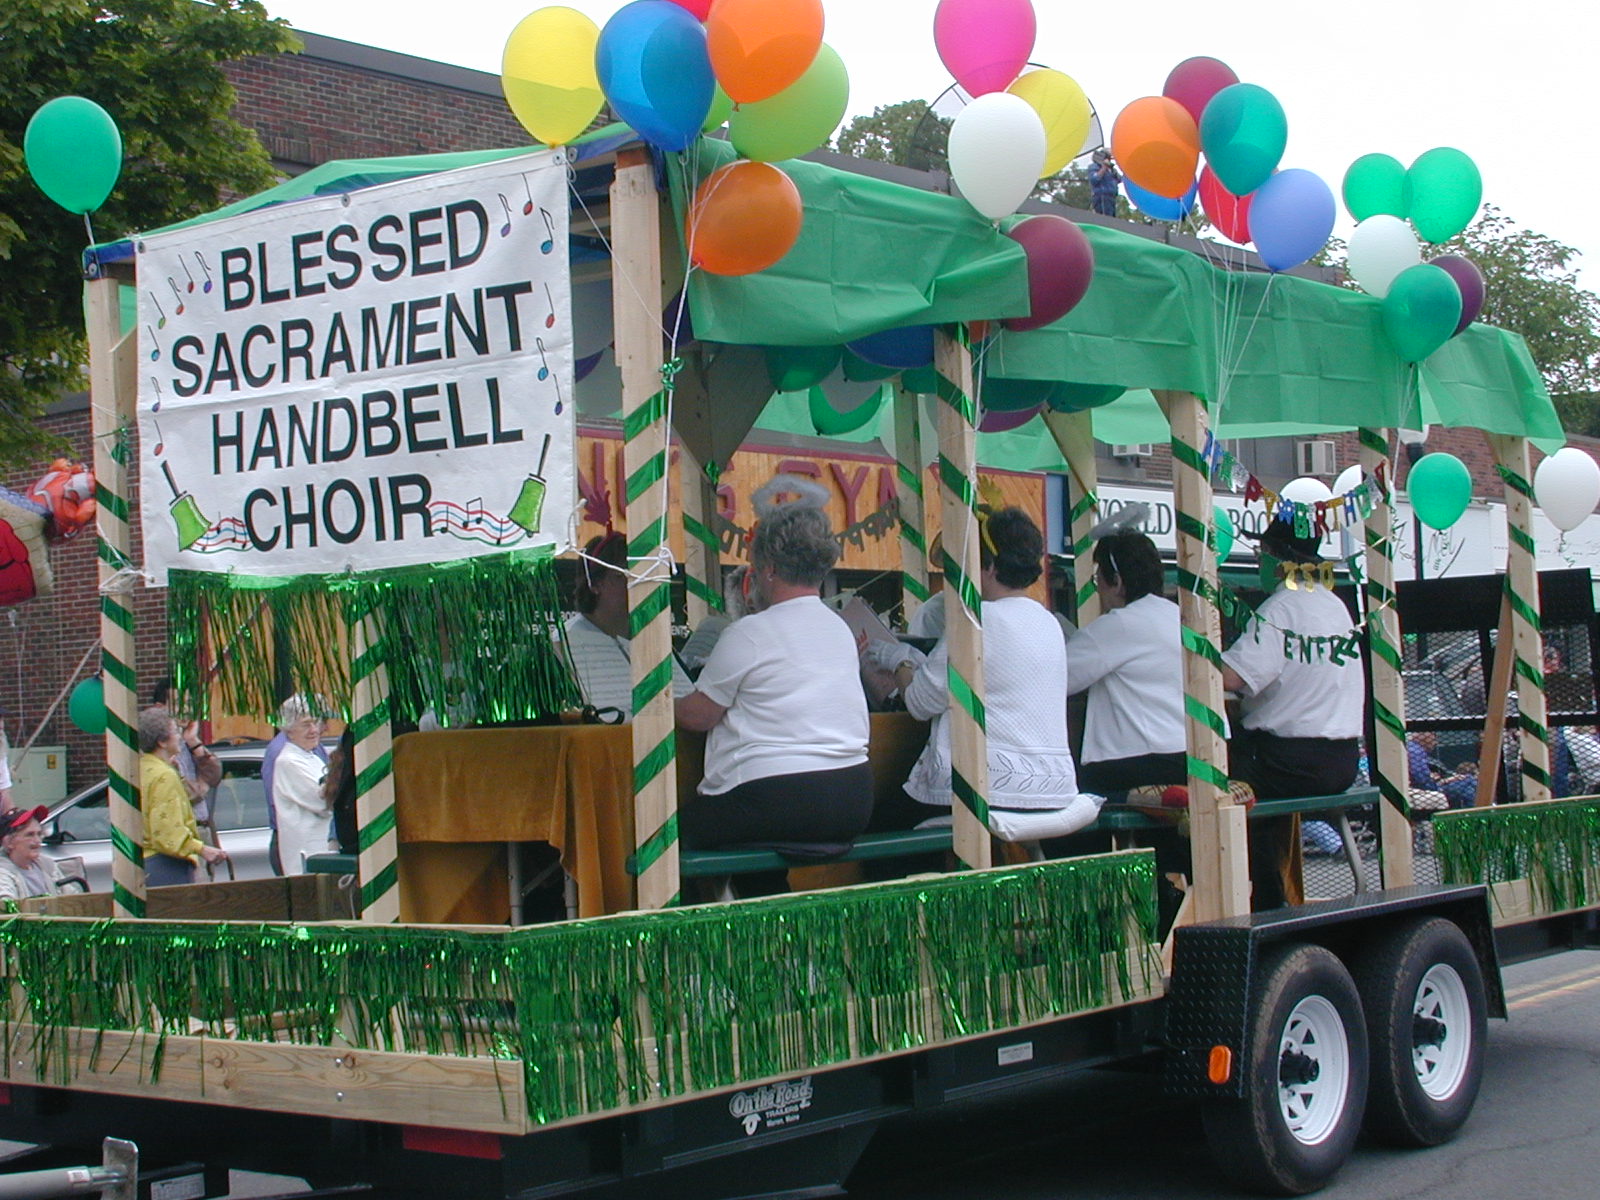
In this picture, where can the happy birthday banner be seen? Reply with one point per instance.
(373, 380)
(1320, 517)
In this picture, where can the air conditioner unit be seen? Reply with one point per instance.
(40, 778)
(1316, 457)
(1133, 450)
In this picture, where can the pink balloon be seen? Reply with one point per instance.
(1195, 80)
(1060, 268)
(984, 43)
(700, 8)
(1001, 421)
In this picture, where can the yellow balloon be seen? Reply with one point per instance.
(548, 76)
(1064, 110)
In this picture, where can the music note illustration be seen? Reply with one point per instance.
(550, 321)
(156, 384)
(544, 363)
(205, 270)
(476, 511)
(155, 350)
(549, 243)
(560, 402)
(161, 323)
(527, 208)
(161, 442)
(174, 285)
(188, 274)
(505, 230)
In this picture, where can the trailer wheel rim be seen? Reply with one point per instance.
(1315, 1044)
(1441, 1031)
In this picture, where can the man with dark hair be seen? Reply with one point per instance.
(1300, 728)
(1103, 180)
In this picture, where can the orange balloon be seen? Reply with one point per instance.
(760, 47)
(1158, 145)
(745, 217)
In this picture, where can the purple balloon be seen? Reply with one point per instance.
(1001, 421)
(1194, 81)
(1060, 268)
(1470, 280)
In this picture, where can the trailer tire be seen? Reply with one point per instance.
(1305, 1077)
(1422, 990)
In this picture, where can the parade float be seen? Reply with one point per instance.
(352, 400)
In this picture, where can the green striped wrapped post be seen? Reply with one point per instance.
(1216, 823)
(908, 498)
(379, 844)
(111, 391)
(958, 486)
(702, 554)
(1527, 638)
(1074, 435)
(646, 392)
(1390, 769)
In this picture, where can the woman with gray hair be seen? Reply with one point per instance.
(172, 844)
(786, 759)
(304, 817)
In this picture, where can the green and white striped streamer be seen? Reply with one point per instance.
(378, 846)
(1388, 762)
(1198, 642)
(1522, 591)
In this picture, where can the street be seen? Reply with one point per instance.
(1110, 1135)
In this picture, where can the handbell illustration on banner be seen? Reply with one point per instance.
(528, 511)
(186, 515)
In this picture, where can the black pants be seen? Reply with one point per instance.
(1114, 777)
(1282, 768)
(809, 806)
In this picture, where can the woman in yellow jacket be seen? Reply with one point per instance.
(172, 842)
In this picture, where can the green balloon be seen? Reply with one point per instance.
(74, 152)
(1440, 487)
(86, 707)
(721, 110)
(1221, 532)
(920, 381)
(1442, 192)
(795, 368)
(1080, 397)
(859, 370)
(1243, 131)
(830, 422)
(1421, 311)
(1014, 395)
(1375, 183)
(798, 119)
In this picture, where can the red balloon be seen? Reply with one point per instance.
(1229, 213)
(1060, 268)
(700, 8)
(1195, 80)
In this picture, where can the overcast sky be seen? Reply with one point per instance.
(1511, 85)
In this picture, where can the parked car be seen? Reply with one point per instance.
(81, 825)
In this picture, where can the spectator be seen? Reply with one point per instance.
(296, 794)
(1103, 181)
(24, 869)
(172, 844)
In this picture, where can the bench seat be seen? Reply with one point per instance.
(898, 843)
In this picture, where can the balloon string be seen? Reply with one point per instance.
(88, 227)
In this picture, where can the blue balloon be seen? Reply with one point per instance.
(656, 71)
(904, 349)
(1162, 208)
(1291, 216)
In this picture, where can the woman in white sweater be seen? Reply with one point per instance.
(1025, 675)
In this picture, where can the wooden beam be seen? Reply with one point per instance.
(1074, 435)
(1217, 831)
(646, 400)
(909, 498)
(1494, 720)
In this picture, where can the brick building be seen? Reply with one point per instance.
(336, 100)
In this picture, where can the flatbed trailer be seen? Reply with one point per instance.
(751, 1048)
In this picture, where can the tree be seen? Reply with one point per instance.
(154, 65)
(1530, 286)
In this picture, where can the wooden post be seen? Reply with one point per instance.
(1387, 761)
(1217, 831)
(702, 554)
(908, 495)
(646, 401)
(112, 374)
(1494, 717)
(963, 628)
(378, 843)
(1074, 435)
(1527, 640)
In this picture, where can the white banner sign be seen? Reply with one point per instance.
(364, 381)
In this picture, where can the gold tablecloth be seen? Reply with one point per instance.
(462, 795)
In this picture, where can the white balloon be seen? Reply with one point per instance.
(1349, 480)
(996, 151)
(1306, 490)
(1567, 486)
(1380, 248)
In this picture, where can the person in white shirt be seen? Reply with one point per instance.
(1131, 661)
(786, 752)
(1025, 676)
(1301, 705)
(597, 636)
(303, 815)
